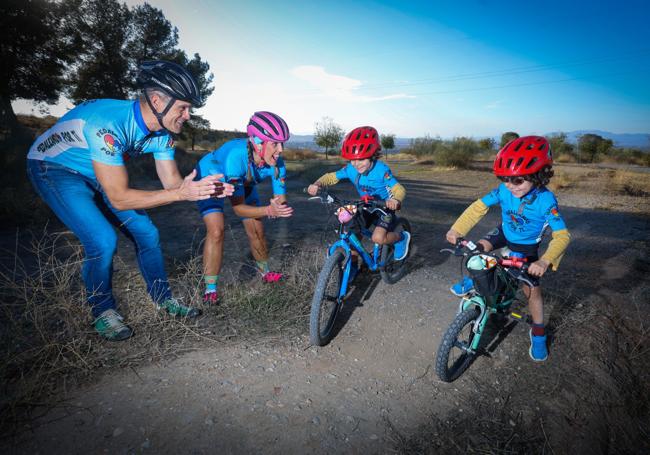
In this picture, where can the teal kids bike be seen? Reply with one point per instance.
(338, 270)
(496, 280)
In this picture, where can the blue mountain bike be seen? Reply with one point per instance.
(337, 272)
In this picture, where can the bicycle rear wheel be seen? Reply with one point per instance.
(394, 270)
(454, 356)
(326, 303)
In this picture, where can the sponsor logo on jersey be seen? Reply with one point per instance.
(170, 143)
(387, 176)
(282, 181)
(112, 145)
(61, 137)
(554, 212)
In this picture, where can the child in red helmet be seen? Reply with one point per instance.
(527, 209)
(372, 178)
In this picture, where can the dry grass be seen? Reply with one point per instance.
(629, 183)
(299, 154)
(49, 344)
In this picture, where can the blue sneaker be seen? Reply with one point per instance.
(402, 246)
(537, 351)
(463, 287)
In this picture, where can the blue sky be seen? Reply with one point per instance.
(472, 68)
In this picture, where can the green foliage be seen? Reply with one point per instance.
(116, 40)
(423, 146)
(327, 134)
(459, 152)
(487, 144)
(507, 137)
(387, 141)
(38, 42)
(591, 147)
(559, 145)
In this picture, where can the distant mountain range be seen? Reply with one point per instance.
(635, 140)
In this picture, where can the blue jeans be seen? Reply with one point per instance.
(84, 208)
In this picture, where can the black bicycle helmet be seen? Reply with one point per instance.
(171, 78)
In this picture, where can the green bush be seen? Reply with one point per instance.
(459, 152)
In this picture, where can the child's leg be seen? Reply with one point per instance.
(535, 306)
(381, 236)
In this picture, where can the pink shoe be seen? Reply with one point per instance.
(211, 298)
(272, 277)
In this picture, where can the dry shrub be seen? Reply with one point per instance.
(629, 183)
(49, 344)
(562, 180)
(398, 157)
(299, 154)
(564, 158)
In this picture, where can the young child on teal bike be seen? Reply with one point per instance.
(524, 165)
(373, 179)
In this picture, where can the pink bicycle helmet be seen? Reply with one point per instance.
(268, 126)
(523, 156)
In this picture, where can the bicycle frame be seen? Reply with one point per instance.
(485, 310)
(347, 241)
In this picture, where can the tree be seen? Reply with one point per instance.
(507, 137)
(328, 134)
(103, 68)
(387, 141)
(592, 145)
(37, 43)
(194, 127)
(110, 59)
(487, 143)
(559, 145)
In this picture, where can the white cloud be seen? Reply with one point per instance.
(340, 87)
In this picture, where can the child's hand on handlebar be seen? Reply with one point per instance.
(453, 236)
(392, 204)
(312, 189)
(538, 267)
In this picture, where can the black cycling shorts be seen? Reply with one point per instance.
(380, 220)
(530, 252)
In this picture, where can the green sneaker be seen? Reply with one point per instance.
(176, 308)
(109, 325)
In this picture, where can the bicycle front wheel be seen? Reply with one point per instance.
(326, 302)
(393, 270)
(454, 354)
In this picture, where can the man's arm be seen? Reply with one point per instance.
(168, 174)
(115, 183)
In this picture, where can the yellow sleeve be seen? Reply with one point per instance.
(328, 179)
(398, 192)
(470, 217)
(556, 247)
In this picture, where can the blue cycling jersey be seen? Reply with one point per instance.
(376, 181)
(106, 131)
(231, 160)
(525, 219)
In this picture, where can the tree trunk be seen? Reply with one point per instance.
(8, 121)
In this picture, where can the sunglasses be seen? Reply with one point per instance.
(513, 180)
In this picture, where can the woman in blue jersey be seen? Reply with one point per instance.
(372, 178)
(244, 163)
(77, 167)
(527, 209)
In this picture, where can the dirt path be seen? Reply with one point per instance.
(373, 389)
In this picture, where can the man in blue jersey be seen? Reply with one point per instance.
(528, 207)
(77, 167)
(245, 163)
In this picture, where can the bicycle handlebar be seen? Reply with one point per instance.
(328, 197)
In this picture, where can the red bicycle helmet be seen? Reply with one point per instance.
(523, 156)
(360, 143)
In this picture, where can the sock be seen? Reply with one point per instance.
(210, 283)
(263, 266)
(538, 330)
